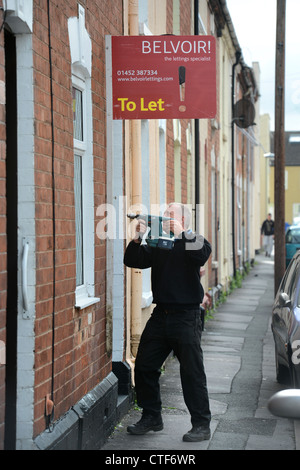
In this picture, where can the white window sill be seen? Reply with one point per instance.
(147, 299)
(86, 302)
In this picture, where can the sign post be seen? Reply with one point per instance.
(164, 77)
(279, 146)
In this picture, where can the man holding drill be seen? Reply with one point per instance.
(175, 324)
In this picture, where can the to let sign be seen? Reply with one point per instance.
(162, 77)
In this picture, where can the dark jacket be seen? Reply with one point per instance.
(267, 227)
(175, 273)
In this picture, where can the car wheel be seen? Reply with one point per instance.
(282, 372)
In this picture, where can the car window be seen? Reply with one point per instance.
(297, 303)
(298, 288)
(293, 236)
(297, 285)
(291, 285)
(288, 284)
(286, 277)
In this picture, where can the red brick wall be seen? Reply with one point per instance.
(169, 125)
(80, 349)
(170, 189)
(169, 25)
(186, 28)
(3, 247)
(213, 144)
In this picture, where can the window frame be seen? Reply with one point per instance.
(78, 155)
(85, 293)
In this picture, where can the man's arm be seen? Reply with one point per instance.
(197, 247)
(137, 256)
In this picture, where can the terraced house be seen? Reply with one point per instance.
(71, 314)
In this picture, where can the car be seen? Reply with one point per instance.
(285, 324)
(296, 221)
(292, 242)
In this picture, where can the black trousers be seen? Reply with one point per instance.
(179, 331)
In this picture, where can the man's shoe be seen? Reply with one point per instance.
(197, 434)
(145, 424)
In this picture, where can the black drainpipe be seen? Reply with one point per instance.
(237, 59)
(197, 134)
(50, 416)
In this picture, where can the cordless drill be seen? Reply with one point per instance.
(156, 237)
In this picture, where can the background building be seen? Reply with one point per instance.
(291, 176)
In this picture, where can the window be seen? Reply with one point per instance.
(78, 218)
(83, 191)
(78, 97)
(288, 284)
(293, 236)
(77, 113)
(81, 55)
(298, 294)
(78, 135)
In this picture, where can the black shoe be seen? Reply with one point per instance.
(197, 434)
(145, 424)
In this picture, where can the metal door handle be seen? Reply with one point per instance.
(24, 275)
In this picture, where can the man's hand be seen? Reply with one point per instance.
(140, 230)
(173, 226)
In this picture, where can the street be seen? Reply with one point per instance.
(240, 366)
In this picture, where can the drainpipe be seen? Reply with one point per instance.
(136, 196)
(237, 60)
(197, 134)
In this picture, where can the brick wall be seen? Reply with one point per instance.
(212, 146)
(169, 124)
(186, 28)
(79, 351)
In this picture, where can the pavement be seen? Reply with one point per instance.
(239, 361)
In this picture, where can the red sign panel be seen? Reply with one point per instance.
(161, 77)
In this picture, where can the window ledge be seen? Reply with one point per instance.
(86, 302)
(147, 299)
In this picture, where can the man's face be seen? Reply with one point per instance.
(175, 226)
(174, 212)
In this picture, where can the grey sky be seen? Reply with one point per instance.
(255, 26)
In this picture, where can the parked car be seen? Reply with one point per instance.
(296, 221)
(292, 242)
(286, 325)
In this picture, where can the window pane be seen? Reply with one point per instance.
(298, 298)
(78, 219)
(77, 114)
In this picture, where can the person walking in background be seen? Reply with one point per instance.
(267, 231)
